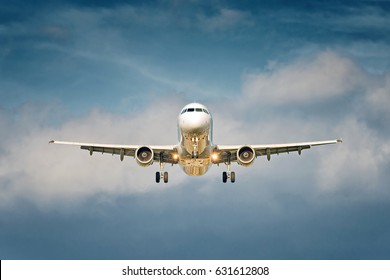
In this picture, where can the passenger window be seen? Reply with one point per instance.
(198, 109)
(190, 110)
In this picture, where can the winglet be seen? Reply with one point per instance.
(339, 141)
(51, 142)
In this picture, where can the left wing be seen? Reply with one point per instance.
(249, 152)
(166, 154)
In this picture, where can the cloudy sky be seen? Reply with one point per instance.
(120, 71)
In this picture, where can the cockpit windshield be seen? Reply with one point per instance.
(194, 110)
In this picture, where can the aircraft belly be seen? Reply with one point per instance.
(195, 166)
(194, 150)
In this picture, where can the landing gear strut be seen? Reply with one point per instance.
(161, 175)
(195, 146)
(228, 174)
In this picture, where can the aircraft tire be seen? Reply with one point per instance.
(157, 177)
(232, 177)
(165, 177)
(224, 177)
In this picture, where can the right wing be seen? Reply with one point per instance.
(167, 154)
(225, 151)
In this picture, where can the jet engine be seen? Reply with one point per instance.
(245, 155)
(144, 156)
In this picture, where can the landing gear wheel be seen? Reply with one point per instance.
(165, 177)
(158, 177)
(224, 177)
(232, 177)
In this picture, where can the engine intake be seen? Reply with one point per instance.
(245, 155)
(144, 156)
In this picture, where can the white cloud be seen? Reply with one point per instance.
(327, 75)
(379, 97)
(358, 162)
(46, 174)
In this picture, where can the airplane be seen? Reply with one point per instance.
(195, 152)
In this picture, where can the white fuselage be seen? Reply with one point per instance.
(195, 135)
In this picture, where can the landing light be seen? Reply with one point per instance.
(175, 156)
(214, 156)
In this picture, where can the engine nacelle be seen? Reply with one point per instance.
(245, 155)
(144, 156)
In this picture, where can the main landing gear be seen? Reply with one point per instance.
(228, 174)
(161, 175)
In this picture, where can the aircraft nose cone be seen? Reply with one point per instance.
(194, 123)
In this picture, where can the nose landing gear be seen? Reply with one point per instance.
(195, 147)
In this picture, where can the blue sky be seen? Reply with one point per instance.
(120, 71)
